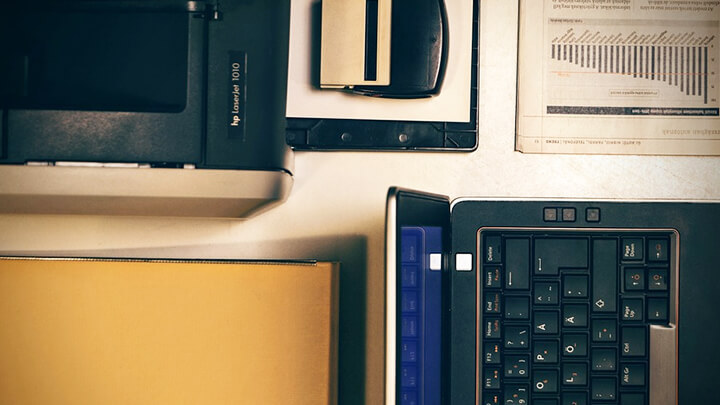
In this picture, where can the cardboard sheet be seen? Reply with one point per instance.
(120, 332)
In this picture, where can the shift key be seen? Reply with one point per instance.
(604, 275)
(517, 264)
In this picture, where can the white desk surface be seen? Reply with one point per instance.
(336, 210)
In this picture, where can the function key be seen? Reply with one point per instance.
(408, 398)
(491, 353)
(491, 378)
(657, 279)
(603, 389)
(657, 250)
(632, 309)
(545, 381)
(632, 248)
(408, 352)
(517, 337)
(632, 343)
(575, 286)
(634, 279)
(545, 351)
(632, 375)
(493, 277)
(491, 398)
(492, 251)
(545, 322)
(657, 309)
(546, 293)
(408, 377)
(604, 330)
(574, 345)
(517, 308)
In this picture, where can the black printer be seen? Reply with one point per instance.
(159, 107)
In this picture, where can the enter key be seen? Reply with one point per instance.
(553, 254)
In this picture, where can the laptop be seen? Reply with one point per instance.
(547, 302)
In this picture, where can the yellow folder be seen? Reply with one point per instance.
(85, 331)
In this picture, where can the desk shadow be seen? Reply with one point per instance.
(349, 250)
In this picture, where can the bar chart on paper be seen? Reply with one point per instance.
(632, 67)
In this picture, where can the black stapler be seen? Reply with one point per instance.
(398, 50)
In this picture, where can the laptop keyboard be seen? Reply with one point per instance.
(565, 316)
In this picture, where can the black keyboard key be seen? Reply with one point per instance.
(575, 286)
(603, 389)
(657, 280)
(545, 402)
(604, 359)
(493, 252)
(574, 374)
(517, 264)
(657, 309)
(493, 277)
(545, 322)
(546, 293)
(545, 381)
(516, 395)
(632, 248)
(517, 337)
(491, 353)
(492, 303)
(632, 309)
(492, 329)
(632, 375)
(517, 308)
(516, 366)
(491, 380)
(634, 279)
(553, 254)
(575, 315)
(632, 399)
(657, 250)
(574, 345)
(604, 275)
(574, 398)
(632, 341)
(491, 398)
(604, 330)
(545, 351)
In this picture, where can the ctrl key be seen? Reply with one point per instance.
(632, 341)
